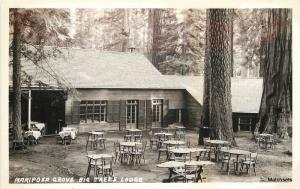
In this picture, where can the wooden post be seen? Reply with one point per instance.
(179, 116)
(29, 109)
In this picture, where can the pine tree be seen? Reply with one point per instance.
(32, 29)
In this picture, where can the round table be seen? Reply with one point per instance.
(174, 142)
(187, 151)
(130, 144)
(175, 164)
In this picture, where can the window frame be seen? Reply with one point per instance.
(91, 110)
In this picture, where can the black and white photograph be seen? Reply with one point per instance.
(149, 95)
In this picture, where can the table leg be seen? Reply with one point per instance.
(170, 174)
(237, 165)
(88, 169)
(95, 168)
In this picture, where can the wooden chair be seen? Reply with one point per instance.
(91, 141)
(18, 144)
(105, 167)
(101, 140)
(127, 138)
(162, 150)
(207, 148)
(192, 173)
(136, 154)
(154, 141)
(249, 161)
(31, 140)
(228, 160)
(120, 153)
(170, 154)
(138, 138)
(67, 140)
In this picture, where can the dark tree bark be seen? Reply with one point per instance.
(205, 117)
(16, 97)
(231, 42)
(263, 40)
(220, 61)
(156, 15)
(275, 113)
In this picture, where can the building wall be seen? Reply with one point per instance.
(175, 97)
(116, 99)
(193, 111)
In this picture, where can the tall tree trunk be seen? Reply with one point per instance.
(275, 113)
(231, 43)
(156, 18)
(16, 45)
(220, 62)
(263, 42)
(205, 117)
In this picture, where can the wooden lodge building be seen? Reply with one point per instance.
(96, 90)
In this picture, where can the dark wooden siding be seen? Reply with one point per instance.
(148, 114)
(236, 116)
(75, 112)
(141, 114)
(122, 115)
(193, 112)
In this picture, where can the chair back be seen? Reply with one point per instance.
(116, 147)
(144, 145)
(205, 139)
(192, 170)
(180, 159)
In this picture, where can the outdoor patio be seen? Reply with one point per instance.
(49, 159)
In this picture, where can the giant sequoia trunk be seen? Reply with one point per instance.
(275, 113)
(16, 47)
(219, 40)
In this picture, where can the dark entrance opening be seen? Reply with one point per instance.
(47, 106)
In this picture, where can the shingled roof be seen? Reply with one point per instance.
(89, 68)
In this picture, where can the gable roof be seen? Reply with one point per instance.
(89, 68)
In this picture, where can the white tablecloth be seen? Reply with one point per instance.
(38, 125)
(35, 134)
(63, 133)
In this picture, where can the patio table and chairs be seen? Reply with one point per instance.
(266, 139)
(180, 170)
(101, 163)
(132, 151)
(230, 153)
(186, 151)
(215, 146)
(133, 135)
(94, 138)
(67, 135)
(32, 137)
(164, 147)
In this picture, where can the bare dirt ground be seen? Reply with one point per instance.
(52, 160)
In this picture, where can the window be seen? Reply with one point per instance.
(156, 111)
(92, 111)
(131, 111)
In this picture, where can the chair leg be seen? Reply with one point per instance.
(254, 169)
